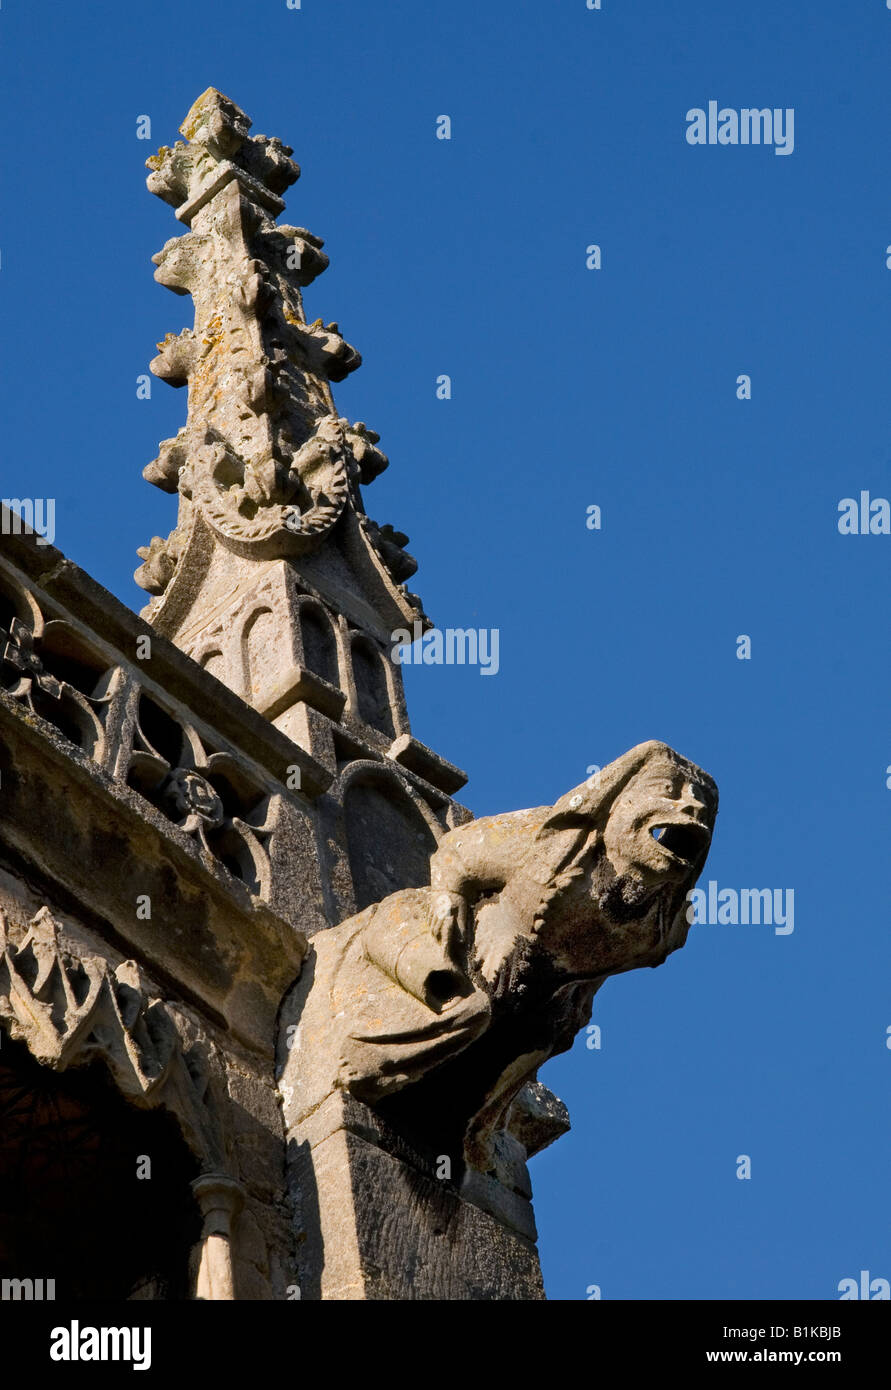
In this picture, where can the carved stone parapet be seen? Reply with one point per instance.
(186, 823)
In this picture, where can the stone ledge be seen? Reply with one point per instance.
(418, 758)
(301, 684)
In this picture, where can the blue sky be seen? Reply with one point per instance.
(571, 387)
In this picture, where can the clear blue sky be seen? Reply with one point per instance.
(570, 387)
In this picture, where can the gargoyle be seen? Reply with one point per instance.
(438, 1004)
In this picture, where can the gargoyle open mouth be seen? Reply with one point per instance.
(687, 841)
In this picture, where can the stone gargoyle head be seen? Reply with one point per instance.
(438, 1004)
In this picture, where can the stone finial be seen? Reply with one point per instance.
(220, 151)
(264, 466)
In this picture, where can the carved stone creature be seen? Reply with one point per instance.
(437, 1005)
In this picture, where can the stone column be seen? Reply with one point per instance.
(220, 1199)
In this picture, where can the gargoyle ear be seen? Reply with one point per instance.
(581, 805)
(575, 810)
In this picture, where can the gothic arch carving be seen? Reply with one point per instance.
(391, 832)
(208, 793)
(318, 640)
(18, 602)
(51, 669)
(372, 684)
(214, 661)
(256, 647)
(71, 1009)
